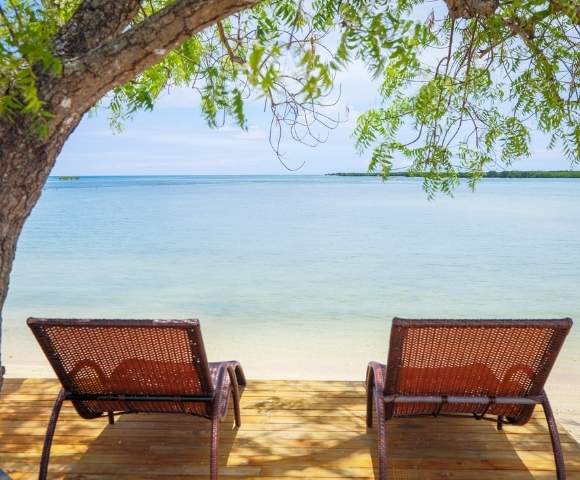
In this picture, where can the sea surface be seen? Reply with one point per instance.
(296, 276)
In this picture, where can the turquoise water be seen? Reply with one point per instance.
(294, 275)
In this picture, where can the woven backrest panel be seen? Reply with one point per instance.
(127, 357)
(492, 358)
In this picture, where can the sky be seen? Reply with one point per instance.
(174, 139)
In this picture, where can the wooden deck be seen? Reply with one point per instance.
(301, 429)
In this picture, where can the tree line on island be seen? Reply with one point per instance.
(490, 174)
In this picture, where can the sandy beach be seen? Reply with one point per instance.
(563, 389)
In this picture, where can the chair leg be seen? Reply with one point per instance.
(370, 386)
(235, 394)
(213, 458)
(374, 395)
(382, 438)
(555, 437)
(49, 435)
(240, 375)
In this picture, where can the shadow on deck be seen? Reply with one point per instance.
(302, 429)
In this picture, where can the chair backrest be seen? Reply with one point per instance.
(140, 358)
(472, 358)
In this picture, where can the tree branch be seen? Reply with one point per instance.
(224, 39)
(571, 9)
(94, 22)
(130, 53)
(527, 33)
(471, 8)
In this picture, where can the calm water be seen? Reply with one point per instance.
(299, 274)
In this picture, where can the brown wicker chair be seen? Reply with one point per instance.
(476, 367)
(112, 367)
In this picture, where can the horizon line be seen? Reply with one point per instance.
(262, 174)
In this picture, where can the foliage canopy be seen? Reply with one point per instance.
(463, 82)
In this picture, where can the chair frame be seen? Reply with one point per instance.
(216, 400)
(377, 395)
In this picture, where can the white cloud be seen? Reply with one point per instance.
(188, 137)
(178, 97)
(252, 134)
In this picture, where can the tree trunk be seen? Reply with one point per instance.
(25, 163)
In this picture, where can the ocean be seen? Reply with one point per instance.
(295, 276)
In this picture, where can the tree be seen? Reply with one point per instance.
(445, 75)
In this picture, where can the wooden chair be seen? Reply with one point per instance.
(113, 367)
(481, 368)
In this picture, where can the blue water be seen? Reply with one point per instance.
(295, 273)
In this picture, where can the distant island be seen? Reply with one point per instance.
(67, 178)
(490, 174)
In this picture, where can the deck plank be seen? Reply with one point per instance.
(290, 430)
